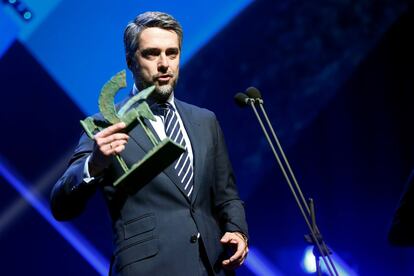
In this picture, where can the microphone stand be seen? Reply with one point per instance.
(315, 236)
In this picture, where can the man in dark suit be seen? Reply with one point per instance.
(189, 219)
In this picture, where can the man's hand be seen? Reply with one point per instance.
(238, 242)
(108, 142)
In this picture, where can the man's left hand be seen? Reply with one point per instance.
(237, 241)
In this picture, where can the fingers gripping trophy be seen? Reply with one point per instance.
(133, 112)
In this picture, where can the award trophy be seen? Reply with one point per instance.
(133, 112)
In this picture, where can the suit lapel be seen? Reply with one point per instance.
(192, 127)
(140, 138)
(172, 175)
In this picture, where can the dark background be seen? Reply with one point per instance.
(337, 80)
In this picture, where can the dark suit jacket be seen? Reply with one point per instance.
(153, 226)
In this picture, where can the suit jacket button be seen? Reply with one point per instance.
(193, 238)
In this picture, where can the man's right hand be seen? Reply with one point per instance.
(109, 141)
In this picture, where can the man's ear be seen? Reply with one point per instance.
(130, 63)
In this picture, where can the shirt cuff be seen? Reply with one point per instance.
(86, 175)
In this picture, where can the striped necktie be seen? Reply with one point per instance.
(183, 166)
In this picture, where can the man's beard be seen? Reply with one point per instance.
(162, 92)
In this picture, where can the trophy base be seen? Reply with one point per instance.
(154, 162)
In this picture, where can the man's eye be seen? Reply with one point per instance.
(172, 53)
(150, 53)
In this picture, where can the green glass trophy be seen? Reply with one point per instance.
(133, 112)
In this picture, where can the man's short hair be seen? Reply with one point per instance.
(140, 23)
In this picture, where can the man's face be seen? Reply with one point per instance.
(158, 60)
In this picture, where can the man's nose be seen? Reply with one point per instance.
(163, 62)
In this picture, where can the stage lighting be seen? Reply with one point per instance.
(309, 266)
(21, 8)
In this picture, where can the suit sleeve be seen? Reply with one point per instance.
(71, 193)
(229, 207)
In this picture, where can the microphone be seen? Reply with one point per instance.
(254, 99)
(254, 93)
(241, 99)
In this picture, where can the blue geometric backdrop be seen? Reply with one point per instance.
(337, 80)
